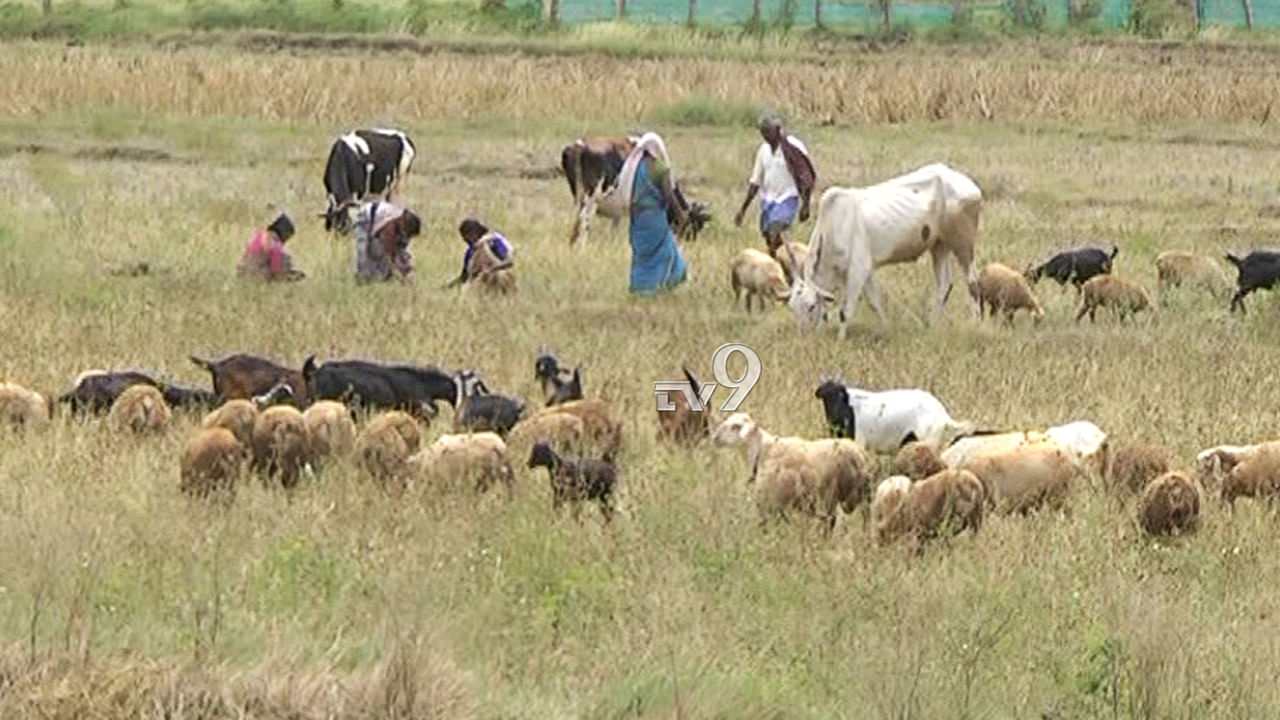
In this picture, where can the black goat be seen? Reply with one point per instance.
(1075, 266)
(559, 385)
(479, 410)
(1259, 270)
(576, 479)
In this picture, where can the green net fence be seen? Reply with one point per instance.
(1114, 14)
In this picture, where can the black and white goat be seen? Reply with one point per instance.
(559, 385)
(479, 410)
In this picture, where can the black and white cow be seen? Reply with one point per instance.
(364, 165)
(592, 166)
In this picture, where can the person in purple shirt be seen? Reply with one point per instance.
(487, 251)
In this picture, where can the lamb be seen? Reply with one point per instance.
(574, 480)
(1000, 288)
(683, 424)
(1026, 478)
(917, 461)
(280, 444)
(385, 444)
(330, 430)
(760, 275)
(943, 504)
(1135, 466)
(140, 409)
(1259, 270)
(555, 385)
(813, 476)
(1075, 266)
(237, 416)
(211, 464)
(797, 254)
(484, 412)
(481, 457)
(882, 422)
(22, 407)
(1124, 297)
(1176, 268)
(1257, 475)
(1169, 505)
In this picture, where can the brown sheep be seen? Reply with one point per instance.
(330, 430)
(384, 446)
(280, 447)
(1124, 297)
(1026, 478)
(683, 424)
(790, 254)
(917, 460)
(211, 464)
(139, 409)
(602, 430)
(943, 504)
(237, 416)
(1213, 464)
(1176, 268)
(1133, 467)
(1169, 505)
(23, 407)
(1000, 288)
(561, 430)
(477, 457)
(760, 275)
(1257, 475)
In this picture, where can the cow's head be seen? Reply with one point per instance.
(337, 217)
(806, 301)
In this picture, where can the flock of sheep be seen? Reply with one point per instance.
(915, 472)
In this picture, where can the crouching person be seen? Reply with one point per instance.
(264, 258)
(383, 232)
(488, 259)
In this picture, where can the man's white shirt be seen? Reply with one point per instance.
(770, 172)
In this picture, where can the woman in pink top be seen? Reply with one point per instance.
(264, 257)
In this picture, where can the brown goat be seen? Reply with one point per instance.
(245, 377)
(683, 424)
(1169, 505)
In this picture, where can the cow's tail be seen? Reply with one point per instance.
(571, 163)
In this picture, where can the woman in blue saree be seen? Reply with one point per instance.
(656, 261)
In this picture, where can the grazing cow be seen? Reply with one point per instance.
(592, 165)
(244, 377)
(95, 390)
(364, 165)
(1076, 266)
(1259, 270)
(933, 208)
(374, 386)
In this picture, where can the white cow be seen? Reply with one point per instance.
(934, 209)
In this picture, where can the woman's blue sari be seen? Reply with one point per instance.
(656, 263)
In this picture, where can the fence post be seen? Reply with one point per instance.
(693, 13)
(1248, 14)
(622, 9)
(551, 11)
(817, 14)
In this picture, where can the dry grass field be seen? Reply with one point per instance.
(121, 599)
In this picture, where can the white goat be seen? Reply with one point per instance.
(882, 422)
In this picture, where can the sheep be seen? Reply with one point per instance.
(941, 505)
(601, 429)
(1176, 268)
(280, 445)
(1000, 288)
(917, 461)
(1124, 297)
(139, 409)
(22, 407)
(237, 416)
(1076, 266)
(1256, 475)
(211, 463)
(760, 276)
(1134, 466)
(813, 476)
(1085, 442)
(1169, 505)
(683, 424)
(481, 457)
(797, 253)
(555, 386)
(564, 430)
(574, 479)
(330, 430)
(882, 422)
(483, 412)
(1026, 478)
(385, 444)
(1259, 270)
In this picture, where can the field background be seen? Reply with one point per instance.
(120, 599)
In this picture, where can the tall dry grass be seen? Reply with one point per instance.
(119, 599)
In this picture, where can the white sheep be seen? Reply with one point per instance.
(1027, 477)
(1085, 442)
(882, 422)
(760, 276)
